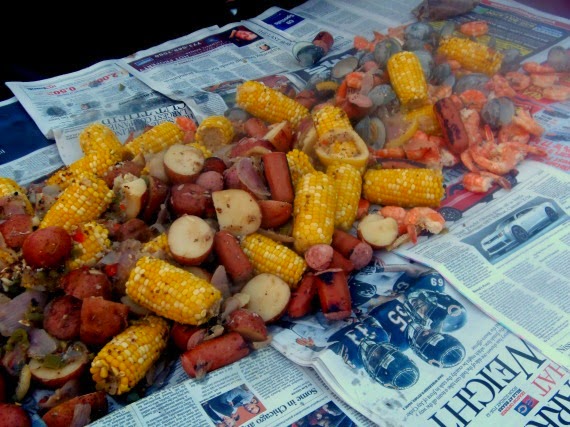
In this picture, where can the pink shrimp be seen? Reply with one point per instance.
(518, 81)
(474, 99)
(536, 68)
(390, 153)
(544, 80)
(472, 123)
(422, 149)
(513, 133)
(504, 157)
(557, 93)
(481, 182)
(397, 213)
(448, 159)
(422, 218)
(501, 86)
(523, 118)
(474, 28)
(436, 93)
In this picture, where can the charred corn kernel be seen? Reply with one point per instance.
(472, 56)
(156, 139)
(205, 151)
(157, 247)
(330, 117)
(172, 292)
(426, 119)
(407, 78)
(348, 187)
(403, 187)
(11, 189)
(268, 256)
(126, 359)
(90, 244)
(84, 200)
(313, 211)
(215, 132)
(269, 104)
(342, 145)
(96, 137)
(299, 165)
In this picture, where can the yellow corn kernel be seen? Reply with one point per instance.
(403, 187)
(299, 165)
(90, 244)
(269, 104)
(330, 117)
(157, 247)
(268, 256)
(472, 56)
(11, 189)
(97, 136)
(172, 292)
(84, 200)
(313, 211)
(407, 78)
(215, 132)
(156, 139)
(205, 151)
(126, 359)
(426, 119)
(348, 188)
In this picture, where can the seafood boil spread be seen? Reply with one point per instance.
(188, 240)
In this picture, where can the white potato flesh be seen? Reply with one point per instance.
(269, 296)
(377, 230)
(237, 211)
(190, 239)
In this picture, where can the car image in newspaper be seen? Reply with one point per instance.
(518, 227)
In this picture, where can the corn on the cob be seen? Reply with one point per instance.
(269, 104)
(313, 211)
(403, 187)
(84, 200)
(426, 119)
(215, 132)
(407, 78)
(96, 137)
(268, 256)
(348, 188)
(172, 292)
(330, 117)
(156, 139)
(205, 151)
(10, 188)
(472, 56)
(90, 244)
(125, 360)
(157, 247)
(299, 165)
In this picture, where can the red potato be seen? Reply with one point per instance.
(303, 298)
(248, 324)
(255, 128)
(214, 164)
(278, 176)
(274, 213)
(120, 169)
(13, 415)
(86, 282)
(190, 239)
(62, 317)
(15, 230)
(189, 199)
(63, 414)
(454, 132)
(183, 163)
(340, 262)
(47, 247)
(134, 197)
(269, 296)
(334, 295)
(247, 147)
(211, 181)
(377, 231)
(134, 229)
(232, 257)
(280, 135)
(237, 211)
(214, 353)
(57, 377)
(158, 191)
(358, 252)
(186, 337)
(101, 320)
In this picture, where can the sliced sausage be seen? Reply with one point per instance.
(62, 317)
(319, 257)
(232, 257)
(357, 251)
(303, 298)
(101, 320)
(278, 176)
(334, 295)
(454, 132)
(86, 282)
(135, 229)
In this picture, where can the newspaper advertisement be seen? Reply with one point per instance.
(264, 389)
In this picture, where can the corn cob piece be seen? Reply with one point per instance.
(90, 244)
(172, 292)
(426, 119)
(269, 104)
(156, 139)
(157, 247)
(97, 136)
(215, 132)
(407, 78)
(10, 188)
(330, 117)
(268, 256)
(299, 165)
(125, 360)
(348, 188)
(313, 211)
(403, 187)
(84, 200)
(205, 151)
(472, 56)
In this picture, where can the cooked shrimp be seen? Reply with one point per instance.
(474, 28)
(422, 149)
(544, 80)
(513, 133)
(518, 81)
(557, 93)
(422, 218)
(473, 98)
(448, 159)
(362, 43)
(397, 213)
(436, 93)
(468, 162)
(481, 182)
(523, 118)
(472, 123)
(397, 32)
(501, 86)
(391, 153)
(536, 68)
(504, 157)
